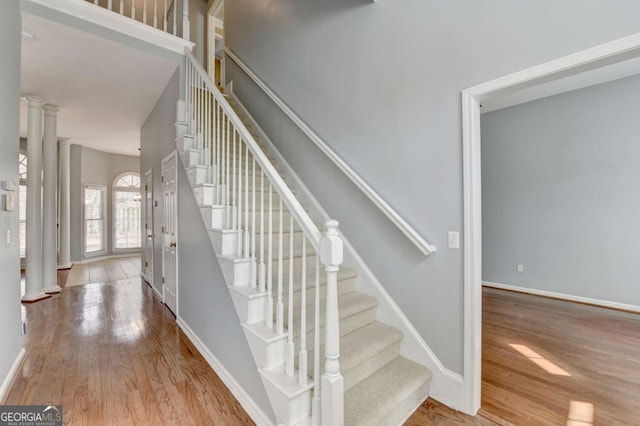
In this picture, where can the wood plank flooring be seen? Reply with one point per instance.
(112, 354)
(551, 362)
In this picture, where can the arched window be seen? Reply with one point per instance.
(126, 212)
(22, 202)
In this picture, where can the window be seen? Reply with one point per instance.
(94, 230)
(22, 203)
(126, 212)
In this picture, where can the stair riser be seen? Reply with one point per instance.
(190, 158)
(360, 372)
(197, 175)
(288, 411)
(347, 325)
(206, 195)
(408, 406)
(184, 142)
(236, 273)
(266, 354)
(181, 128)
(344, 287)
(214, 217)
(224, 242)
(251, 310)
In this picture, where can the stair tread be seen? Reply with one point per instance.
(365, 342)
(370, 402)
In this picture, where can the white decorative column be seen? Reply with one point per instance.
(64, 261)
(49, 207)
(33, 258)
(186, 30)
(331, 255)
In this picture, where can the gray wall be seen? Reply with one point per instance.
(90, 166)
(560, 193)
(381, 82)
(204, 300)
(10, 22)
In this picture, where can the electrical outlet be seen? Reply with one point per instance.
(453, 240)
(8, 238)
(520, 268)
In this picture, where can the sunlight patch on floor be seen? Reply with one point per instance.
(539, 360)
(580, 413)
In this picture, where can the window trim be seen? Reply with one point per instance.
(102, 188)
(115, 189)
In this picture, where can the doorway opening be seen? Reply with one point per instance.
(215, 56)
(544, 78)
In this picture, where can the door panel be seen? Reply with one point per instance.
(169, 234)
(147, 261)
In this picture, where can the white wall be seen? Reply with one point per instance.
(10, 22)
(381, 82)
(561, 193)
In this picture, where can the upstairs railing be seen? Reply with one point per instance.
(285, 247)
(170, 16)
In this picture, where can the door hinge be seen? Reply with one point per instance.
(161, 178)
(163, 230)
(146, 187)
(163, 280)
(146, 264)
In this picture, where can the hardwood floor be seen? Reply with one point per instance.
(111, 354)
(551, 362)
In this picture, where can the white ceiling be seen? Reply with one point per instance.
(105, 90)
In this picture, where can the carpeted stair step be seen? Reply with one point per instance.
(389, 396)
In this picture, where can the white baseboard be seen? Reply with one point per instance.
(563, 296)
(11, 375)
(446, 386)
(157, 293)
(250, 406)
(105, 257)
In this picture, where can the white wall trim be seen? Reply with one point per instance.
(575, 63)
(253, 410)
(422, 245)
(11, 375)
(105, 257)
(446, 386)
(105, 18)
(563, 296)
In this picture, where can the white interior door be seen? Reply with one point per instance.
(147, 260)
(169, 233)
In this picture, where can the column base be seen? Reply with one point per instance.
(52, 290)
(67, 266)
(34, 297)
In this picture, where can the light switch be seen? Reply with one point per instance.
(453, 240)
(8, 237)
(520, 268)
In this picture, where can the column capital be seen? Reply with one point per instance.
(34, 101)
(50, 109)
(64, 141)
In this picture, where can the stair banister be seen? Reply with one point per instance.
(220, 137)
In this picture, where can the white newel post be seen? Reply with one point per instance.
(332, 387)
(186, 31)
(65, 219)
(49, 207)
(33, 274)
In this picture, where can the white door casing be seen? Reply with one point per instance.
(170, 233)
(147, 259)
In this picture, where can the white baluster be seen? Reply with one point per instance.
(290, 345)
(155, 13)
(110, 5)
(144, 12)
(133, 9)
(332, 381)
(315, 403)
(240, 239)
(174, 12)
(164, 13)
(270, 261)
(186, 32)
(227, 170)
(254, 272)
(95, 2)
(302, 357)
(233, 176)
(280, 305)
(261, 277)
(245, 241)
(121, 7)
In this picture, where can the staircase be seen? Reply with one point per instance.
(322, 355)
